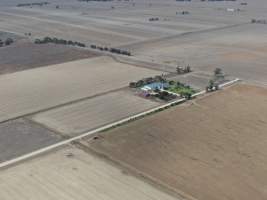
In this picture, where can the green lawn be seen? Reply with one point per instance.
(181, 90)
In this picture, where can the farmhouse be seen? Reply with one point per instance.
(155, 86)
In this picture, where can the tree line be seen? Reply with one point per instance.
(146, 81)
(47, 40)
(32, 4)
(111, 50)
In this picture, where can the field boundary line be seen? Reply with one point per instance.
(184, 34)
(64, 104)
(114, 124)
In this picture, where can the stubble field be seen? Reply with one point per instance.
(98, 22)
(86, 115)
(238, 50)
(47, 87)
(213, 148)
(70, 173)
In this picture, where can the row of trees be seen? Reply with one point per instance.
(6, 42)
(112, 50)
(47, 40)
(259, 21)
(32, 4)
(153, 19)
(147, 81)
(183, 13)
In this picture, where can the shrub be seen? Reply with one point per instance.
(93, 46)
(47, 40)
(37, 41)
(132, 85)
(9, 41)
(171, 82)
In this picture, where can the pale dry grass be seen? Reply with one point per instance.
(33, 90)
(92, 113)
(72, 174)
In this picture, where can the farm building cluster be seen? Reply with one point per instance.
(159, 87)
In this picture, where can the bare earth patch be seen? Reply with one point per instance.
(21, 136)
(214, 149)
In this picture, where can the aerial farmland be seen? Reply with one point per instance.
(76, 175)
(26, 55)
(63, 83)
(133, 99)
(203, 148)
(94, 112)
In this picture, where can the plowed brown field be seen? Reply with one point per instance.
(26, 55)
(212, 149)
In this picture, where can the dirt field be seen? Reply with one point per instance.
(212, 149)
(21, 136)
(206, 38)
(232, 49)
(92, 113)
(37, 89)
(97, 22)
(25, 55)
(72, 174)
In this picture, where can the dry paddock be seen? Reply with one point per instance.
(96, 22)
(239, 50)
(213, 148)
(86, 115)
(47, 87)
(21, 136)
(24, 55)
(72, 174)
